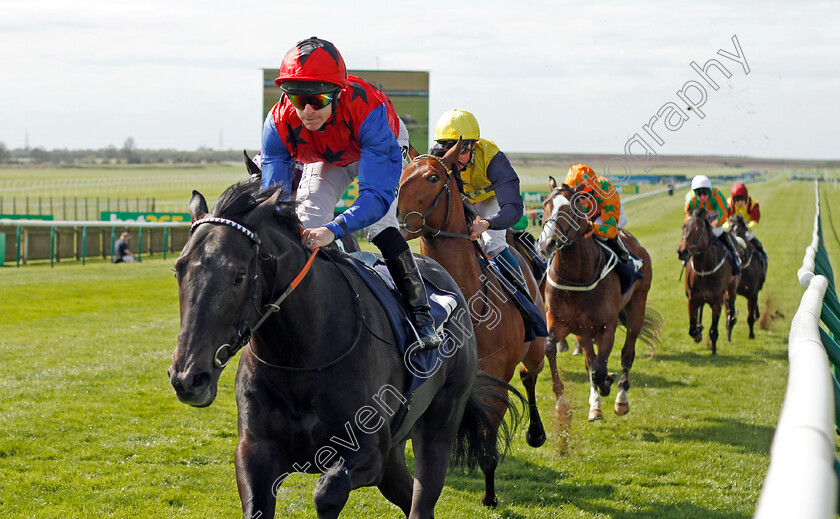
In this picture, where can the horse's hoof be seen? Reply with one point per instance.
(622, 408)
(563, 346)
(535, 440)
(752, 335)
(577, 351)
(491, 502)
(595, 414)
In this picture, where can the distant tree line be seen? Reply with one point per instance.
(128, 154)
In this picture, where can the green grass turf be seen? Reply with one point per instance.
(92, 428)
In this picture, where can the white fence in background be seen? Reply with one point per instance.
(801, 481)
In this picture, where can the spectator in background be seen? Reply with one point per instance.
(121, 252)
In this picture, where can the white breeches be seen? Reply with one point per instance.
(321, 187)
(492, 240)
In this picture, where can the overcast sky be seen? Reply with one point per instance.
(539, 76)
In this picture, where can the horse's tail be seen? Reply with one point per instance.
(651, 328)
(484, 433)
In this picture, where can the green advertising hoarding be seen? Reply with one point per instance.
(47, 217)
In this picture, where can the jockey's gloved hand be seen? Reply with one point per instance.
(749, 235)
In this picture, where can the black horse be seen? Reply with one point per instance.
(753, 269)
(319, 383)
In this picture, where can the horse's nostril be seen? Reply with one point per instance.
(200, 381)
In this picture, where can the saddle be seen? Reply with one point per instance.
(627, 274)
(531, 316)
(419, 364)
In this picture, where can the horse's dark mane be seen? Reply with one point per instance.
(469, 210)
(243, 197)
(700, 212)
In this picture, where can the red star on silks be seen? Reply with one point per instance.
(332, 156)
(358, 91)
(294, 138)
(349, 124)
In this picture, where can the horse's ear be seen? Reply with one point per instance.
(264, 210)
(412, 153)
(251, 166)
(552, 184)
(451, 156)
(198, 206)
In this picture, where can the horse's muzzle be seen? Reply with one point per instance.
(195, 389)
(682, 254)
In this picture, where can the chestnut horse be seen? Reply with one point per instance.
(708, 277)
(583, 294)
(430, 192)
(753, 270)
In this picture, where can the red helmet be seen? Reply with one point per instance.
(314, 61)
(739, 190)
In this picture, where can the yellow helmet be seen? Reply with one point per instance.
(580, 174)
(456, 123)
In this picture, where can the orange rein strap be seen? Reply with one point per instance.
(295, 282)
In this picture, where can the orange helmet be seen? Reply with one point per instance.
(739, 190)
(580, 175)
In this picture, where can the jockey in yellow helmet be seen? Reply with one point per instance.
(490, 184)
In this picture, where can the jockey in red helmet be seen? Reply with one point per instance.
(341, 127)
(743, 204)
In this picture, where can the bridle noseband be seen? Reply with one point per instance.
(566, 241)
(244, 332)
(423, 227)
(693, 247)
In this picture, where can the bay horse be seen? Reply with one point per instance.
(430, 189)
(583, 294)
(319, 382)
(753, 270)
(709, 277)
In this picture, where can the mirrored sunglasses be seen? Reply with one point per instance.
(740, 198)
(316, 101)
(702, 191)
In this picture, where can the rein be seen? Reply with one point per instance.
(244, 333)
(423, 227)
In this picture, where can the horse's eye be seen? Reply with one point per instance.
(433, 178)
(240, 277)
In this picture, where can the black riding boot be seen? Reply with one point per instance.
(726, 238)
(400, 262)
(407, 277)
(760, 248)
(620, 250)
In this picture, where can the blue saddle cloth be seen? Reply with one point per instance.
(627, 274)
(531, 316)
(373, 271)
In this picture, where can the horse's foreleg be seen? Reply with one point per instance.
(332, 491)
(731, 294)
(532, 365)
(752, 311)
(586, 344)
(536, 432)
(713, 328)
(695, 325)
(562, 410)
